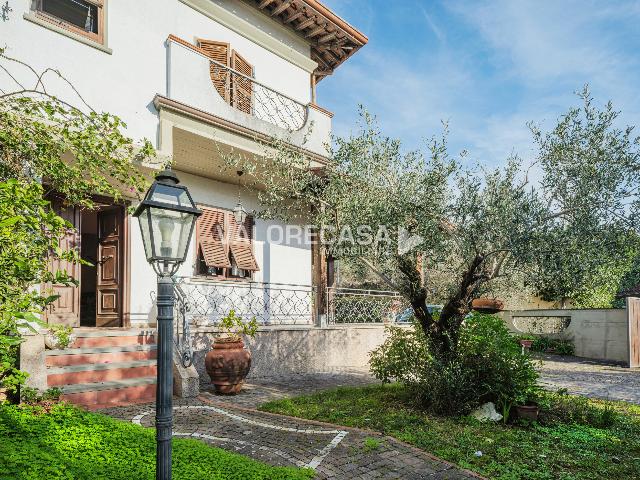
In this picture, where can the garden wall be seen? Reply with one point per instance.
(279, 350)
(600, 334)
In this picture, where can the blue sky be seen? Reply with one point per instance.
(487, 67)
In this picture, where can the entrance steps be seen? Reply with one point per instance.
(105, 367)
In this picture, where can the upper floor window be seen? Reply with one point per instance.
(83, 17)
(225, 248)
(231, 75)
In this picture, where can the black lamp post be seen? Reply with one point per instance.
(167, 216)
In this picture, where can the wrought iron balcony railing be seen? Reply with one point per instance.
(254, 98)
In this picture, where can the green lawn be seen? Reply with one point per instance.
(576, 438)
(68, 443)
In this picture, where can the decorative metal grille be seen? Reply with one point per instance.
(252, 97)
(352, 305)
(182, 337)
(270, 303)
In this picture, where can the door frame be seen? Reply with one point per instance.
(125, 262)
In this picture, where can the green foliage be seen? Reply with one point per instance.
(234, 326)
(33, 396)
(29, 233)
(488, 366)
(540, 343)
(575, 438)
(62, 333)
(80, 152)
(68, 443)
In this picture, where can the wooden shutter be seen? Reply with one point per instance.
(241, 87)
(243, 254)
(211, 238)
(240, 243)
(218, 51)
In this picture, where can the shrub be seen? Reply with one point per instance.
(486, 366)
(547, 344)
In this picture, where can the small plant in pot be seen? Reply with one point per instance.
(228, 363)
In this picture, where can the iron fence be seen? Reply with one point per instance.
(270, 303)
(353, 305)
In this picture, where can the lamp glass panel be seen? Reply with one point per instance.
(171, 231)
(170, 195)
(145, 230)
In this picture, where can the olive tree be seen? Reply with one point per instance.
(437, 230)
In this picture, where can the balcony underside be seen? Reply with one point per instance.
(198, 141)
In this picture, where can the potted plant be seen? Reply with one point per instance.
(228, 363)
(527, 406)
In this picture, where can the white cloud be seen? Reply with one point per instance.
(504, 63)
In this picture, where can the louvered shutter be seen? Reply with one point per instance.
(218, 51)
(240, 243)
(241, 87)
(211, 238)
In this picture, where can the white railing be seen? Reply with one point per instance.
(354, 305)
(269, 303)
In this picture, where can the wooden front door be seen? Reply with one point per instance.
(66, 309)
(110, 268)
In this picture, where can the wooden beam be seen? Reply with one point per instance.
(293, 16)
(328, 37)
(316, 31)
(264, 3)
(306, 23)
(281, 8)
(317, 57)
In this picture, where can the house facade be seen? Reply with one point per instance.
(201, 79)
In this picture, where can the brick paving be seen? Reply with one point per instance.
(590, 378)
(334, 452)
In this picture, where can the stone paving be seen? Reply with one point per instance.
(590, 378)
(257, 391)
(332, 451)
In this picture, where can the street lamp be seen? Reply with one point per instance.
(167, 216)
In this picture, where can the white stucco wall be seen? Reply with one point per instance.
(600, 334)
(125, 81)
(279, 261)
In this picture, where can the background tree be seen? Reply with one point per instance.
(476, 226)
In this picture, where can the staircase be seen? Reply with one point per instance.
(105, 367)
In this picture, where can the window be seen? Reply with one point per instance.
(235, 88)
(225, 249)
(84, 17)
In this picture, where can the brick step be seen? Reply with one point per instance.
(99, 372)
(102, 394)
(79, 356)
(112, 338)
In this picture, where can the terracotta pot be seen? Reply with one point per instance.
(487, 305)
(228, 364)
(527, 412)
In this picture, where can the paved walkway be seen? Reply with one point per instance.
(591, 378)
(333, 451)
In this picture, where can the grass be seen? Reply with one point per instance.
(68, 443)
(576, 438)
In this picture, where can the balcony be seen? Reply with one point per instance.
(232, 101)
